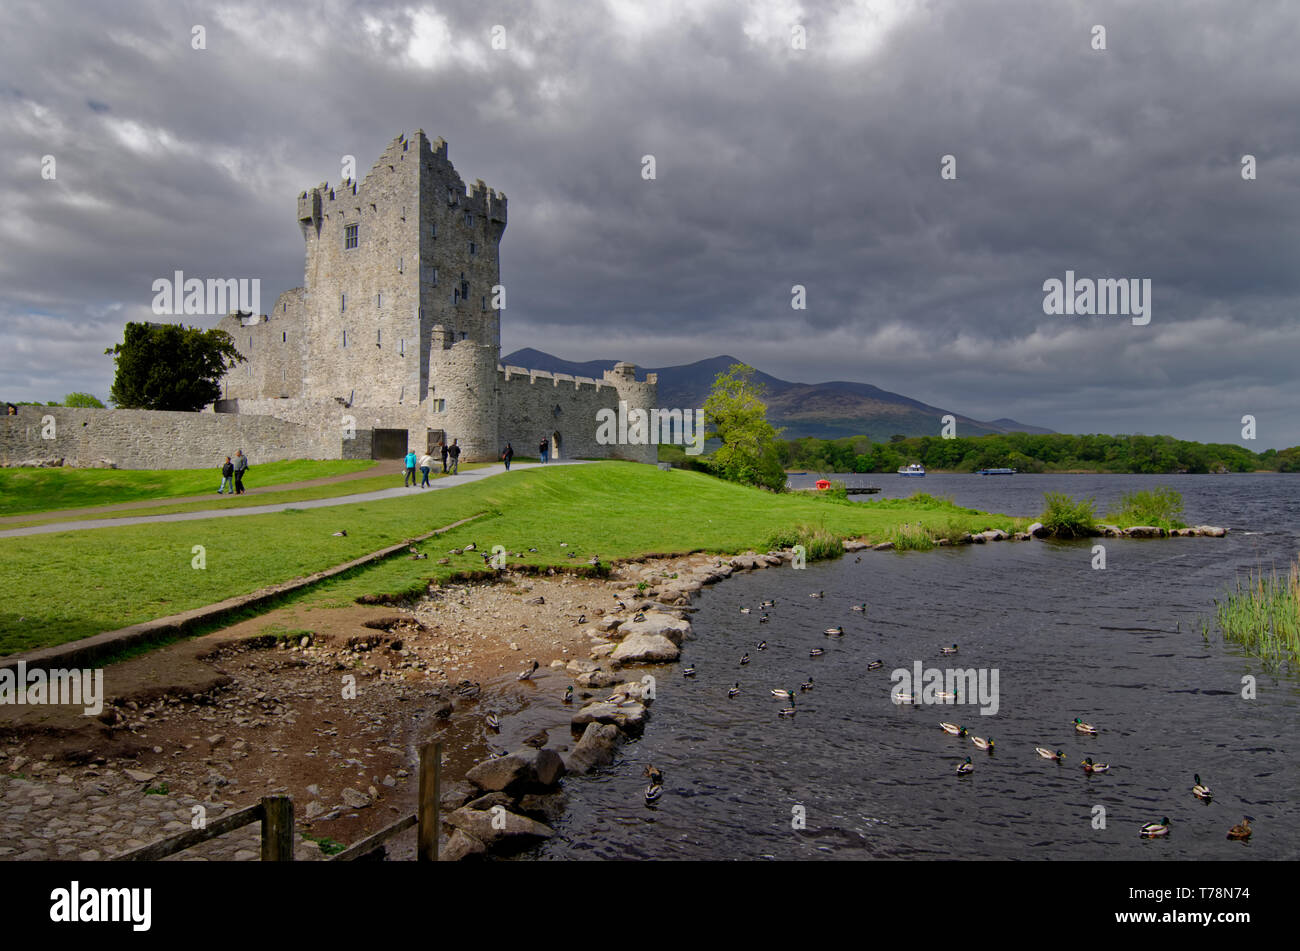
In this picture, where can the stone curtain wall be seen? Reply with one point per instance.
(274, 345)
(145, 439)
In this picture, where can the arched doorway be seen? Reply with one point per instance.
(555, 445)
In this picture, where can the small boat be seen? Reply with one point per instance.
(996, 472)
(915, 469)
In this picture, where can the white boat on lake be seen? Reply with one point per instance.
(915, 469)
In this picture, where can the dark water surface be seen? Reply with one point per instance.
(1120, 648)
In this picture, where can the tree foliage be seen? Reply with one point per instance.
(83, 401)
(736, 414)
(170, 367)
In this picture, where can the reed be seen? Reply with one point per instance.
(911, 537)
(1262, 614)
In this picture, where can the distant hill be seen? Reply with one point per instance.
(824, 410)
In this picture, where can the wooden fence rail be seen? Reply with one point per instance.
(276, 815)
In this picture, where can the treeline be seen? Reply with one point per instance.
(1057, 452)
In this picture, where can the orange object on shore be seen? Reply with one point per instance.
(823, 484)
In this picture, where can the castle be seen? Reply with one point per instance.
(394, 341)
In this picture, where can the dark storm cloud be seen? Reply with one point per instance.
(775, 167)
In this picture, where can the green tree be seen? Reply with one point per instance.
(736, 414)
(82, 401)
(170, 367)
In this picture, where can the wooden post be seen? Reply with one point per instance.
(277, 829)
(430, 800)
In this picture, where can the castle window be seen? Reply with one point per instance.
(401, 347)
(345, 338)
(473, 248)
(455, 296)
(451, 195)
(464, 287)
(440, 406)
(343, 302)
(463, 335)
(379, 300)
(284, 336)
(399, 265)
(350, 236)
(469, 219)
(433, 231)
(433, 275)
(379, 338)
(484, 303)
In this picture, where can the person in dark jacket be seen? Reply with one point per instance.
(443, 446)
(541, 449)
(507, 454)
(240, 467)
(226, 472)
(453, 451)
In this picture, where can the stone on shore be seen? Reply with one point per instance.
(645, 649)
(518, 771)
(515, 832)
(628, 716)
(1144, 531)
(657, 622)
(883, 546)
(595, 749)
(461, 846)
(1037, 530)
(1211, 531)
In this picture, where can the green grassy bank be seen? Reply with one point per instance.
(69, 585)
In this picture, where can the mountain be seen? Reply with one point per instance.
(825, 410)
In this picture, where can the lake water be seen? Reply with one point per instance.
(1120, 648)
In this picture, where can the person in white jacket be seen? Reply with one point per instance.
(426, 463)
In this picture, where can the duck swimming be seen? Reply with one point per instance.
(817, 594)
(1200, 790)
(734, 690)
(744, 659)
(817, 652)
(1085, 728)
(953, 728)
(762, 645)
(1153, 829)
(966, 768)
(1048, 754)
(981, 743)
(806, 685)
(834, 632)
(528, 674)
(875, 665)
(948, 650)
(689, 671)
(653, 793)
(1242, 829)
(1090, 767)
(493, 723)
(568, 694)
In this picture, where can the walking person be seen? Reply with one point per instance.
(443, 446)
(239, 467)
(541, 449)
(507, 454)
(453, 451)
(226, 472)
(426, 463)
(410, 468)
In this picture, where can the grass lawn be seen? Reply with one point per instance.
(45, 490)
(350, 487)
(69, 585)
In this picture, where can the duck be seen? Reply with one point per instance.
(953, 728)
(654, 774)
(763, 619)
(762, 645)
(981, 743)
(768, 604)
(782, 694)
(528, 674)
(639, 616)
(744, 658)
(532, 549)
(1045, 753)
(860, 607)
(834, 632)
(1153, 829)
(734, 690)
(744, 610)
(341, 534)
(1200, 790)
(806, 685)
(471, 546)
(1085, 728)
(966, 768)
(1242, 829)
(948, 650)
(653, 792)
(689, 671)
(817, 652)
(582, 619)
(493, 723)
(621, 606)
(875, 665)
(945, 696)
(568, 694)
(817, 594)
(904, 698)
(788, 711)
(1090, 767)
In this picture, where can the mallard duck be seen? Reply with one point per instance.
(782, 694)
(788, 711)
(1090, 767)
(904, 698)
(744, 659)
(493, 723)
(948, 650)
(1200, 790)
(762, 645)
(943, 695)
(654, 774)
(817, 652)
(689, 671)
(568, 694)
(875, 665)
(342, 534)
(652, 793)
(1085, 728)
(833, 631)
(1045, 753)
(860, 607)
(744, 610)
(768, 604)
(639, 616)
(981, 743)
(582, 619)
(763, 619)
(734, 690)
(471, 546)
(1153, 829)
(966, 768)
(1242, 829)
(816, 594)
(806, 685)
(953, 728)
(528, 674)
(621, 606)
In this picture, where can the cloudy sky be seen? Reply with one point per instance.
(774, 166)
